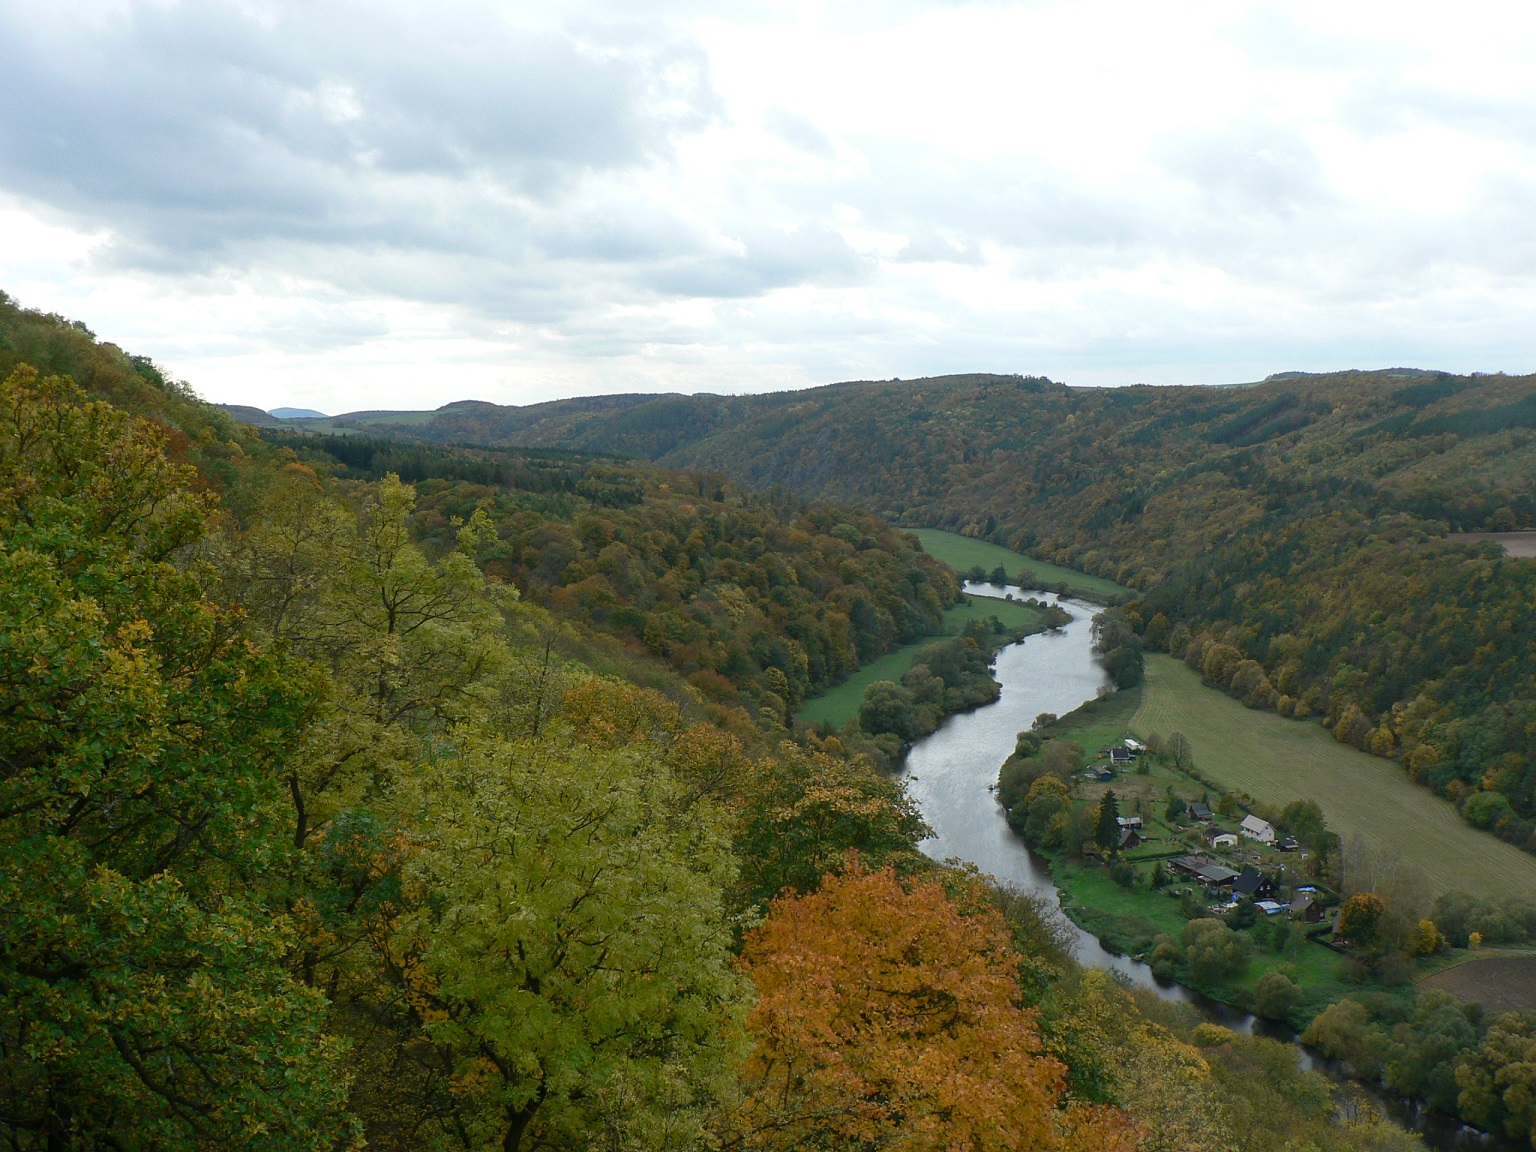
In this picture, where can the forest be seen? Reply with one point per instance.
(1290, 538)
(331, 817)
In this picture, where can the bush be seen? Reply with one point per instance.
(1276, 996)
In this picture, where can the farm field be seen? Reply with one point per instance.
(961, 552)
(1498, 983)
(1278, 760)
(840, 704)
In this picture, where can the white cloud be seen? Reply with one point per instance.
(342, 204)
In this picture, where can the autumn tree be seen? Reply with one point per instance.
(886, 1018)
(143, 953)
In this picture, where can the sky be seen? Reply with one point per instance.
(348, 205)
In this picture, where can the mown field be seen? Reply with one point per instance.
(840, 704)
(961, 552)
(1279, 760)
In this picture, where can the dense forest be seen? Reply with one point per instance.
(1290, 539)
(326, 821)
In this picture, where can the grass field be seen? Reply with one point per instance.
(961, 552)
(839, 705)
(1278, 760)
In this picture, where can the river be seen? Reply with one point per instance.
(951, 775)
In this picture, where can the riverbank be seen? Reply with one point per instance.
(839, 704)
(963, 553)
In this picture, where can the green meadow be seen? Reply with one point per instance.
(962, 552)
(840, 704)
(1278, 760)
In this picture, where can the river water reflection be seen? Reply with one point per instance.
(951, 775)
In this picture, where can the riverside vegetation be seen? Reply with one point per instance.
(329, 816)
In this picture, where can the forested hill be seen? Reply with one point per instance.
(1296, 528)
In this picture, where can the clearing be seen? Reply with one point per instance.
(1278, 760)
(840, 704)
(1498, 983)
(962, 552)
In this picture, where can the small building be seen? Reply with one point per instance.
(1201, 812)
(1130, 838)
(1120, 757)
(1289, 844)
(1256, 829)
(1188, 865)
(1269, 907)
(1100, 772)
(1304, 907)
(1134, 747)
(1220, 837)
(1128, 821)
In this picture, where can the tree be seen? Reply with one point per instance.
(1213, 951)
(999, 575)
(1106, 832)
(556, 948)
(144, 949)
(1498, 1077)
(1276, 995)
(1360, 920)
(1179, 750)
(887, 1017)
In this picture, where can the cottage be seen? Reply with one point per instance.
(1254, 884)
(1128, 821)
(1220, 838)
(1256, 829)
(1120, 757)
(1100, 772)
(1201, 813)
(1304, 907)
(1188, 865)
(1130, 838)
(1289, 844)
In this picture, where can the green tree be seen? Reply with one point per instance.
(1276, 995)
(144, 951)
(557, 951)
(1106, 831)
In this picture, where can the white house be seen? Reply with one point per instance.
(1256, 829)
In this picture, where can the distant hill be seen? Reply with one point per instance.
(297, 414)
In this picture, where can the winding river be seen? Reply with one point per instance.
(951, 774)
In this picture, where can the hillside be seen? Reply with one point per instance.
(1300, 525)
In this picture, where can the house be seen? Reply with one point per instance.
(1128, 821)
(1120, 757)
(1304, 907)
(1100, 772)
(1201, 813)
(1254, 884)
(1220, 837)
(1289, 844)
(1130, 838)
(1256, 829)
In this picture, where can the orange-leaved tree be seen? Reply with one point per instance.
(888, 1018)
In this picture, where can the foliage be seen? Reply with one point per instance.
(147, 999)
(887, 1017)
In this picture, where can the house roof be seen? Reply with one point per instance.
(1215, 874)
(1247, 882)
(1200, 811)
(1254, 824)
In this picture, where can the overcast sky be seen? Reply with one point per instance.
(375, 204)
